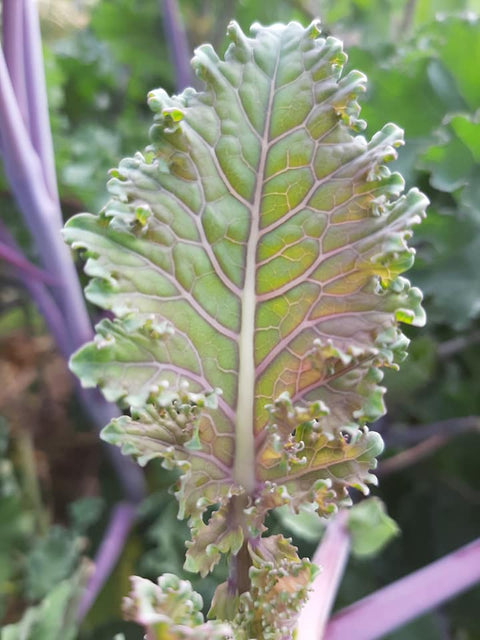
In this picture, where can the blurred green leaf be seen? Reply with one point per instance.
(17, 522)
(458, 46)
(85, 512)
(450, 258)
(306, 524)
(467, 129)
(55, 617)
(126, 26)
(390, 87)
(449, 164)
(52, 559)
(416, 371)
(370, 527)
(444, 85)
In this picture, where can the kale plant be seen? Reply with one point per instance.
(252, 257)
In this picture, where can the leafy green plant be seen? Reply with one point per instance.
(55, 618)
(252, 257)
(420, 60)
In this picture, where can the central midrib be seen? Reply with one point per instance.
(244, 471)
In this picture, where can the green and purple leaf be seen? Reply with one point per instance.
(280, 582)
(171, 610)
(252, 256)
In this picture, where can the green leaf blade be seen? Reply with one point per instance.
(256, 246)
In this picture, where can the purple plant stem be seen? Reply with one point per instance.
(16, 259)
(331, 556)
(40, 211)
(400, 602)
(99, 411)
(40, 131)
(42, 214)
(29, 165)
(121, 521)
(13, 48)
(41, 295)
(177, 44)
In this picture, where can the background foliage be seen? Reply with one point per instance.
(55, 488)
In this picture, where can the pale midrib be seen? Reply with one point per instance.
(244, 470)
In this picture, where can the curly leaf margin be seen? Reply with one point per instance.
(255, 247)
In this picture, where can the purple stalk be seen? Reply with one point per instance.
(26, 145)
(110, 549)
(41, 295)
(41, 135)
(16, 259)
(393, 606)
(40, 212)
(99, 411)
(13, 48)
(331, 556)
(177, 44)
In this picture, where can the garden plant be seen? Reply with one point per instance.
(250, 265)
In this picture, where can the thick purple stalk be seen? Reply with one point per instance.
(40, 131)
(121, 521)
(21, 43)
(389, 608)
(27, 150)
(13, 49)
(177, 44)
(99, 411)
(17, 260)
(63, 307)
(331, 556)
(41, 215)
(40, 211)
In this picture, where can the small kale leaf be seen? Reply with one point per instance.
(171, 610)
